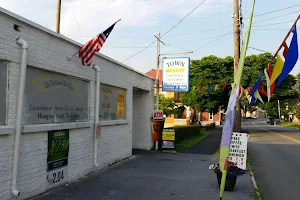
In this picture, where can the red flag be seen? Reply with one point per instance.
(224, 85)
(262, 90)
(285, 50)
(201, 87)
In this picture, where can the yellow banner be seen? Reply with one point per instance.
(168, 135)
(277, 69)
(121, 104)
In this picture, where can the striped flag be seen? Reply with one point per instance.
(87, 51)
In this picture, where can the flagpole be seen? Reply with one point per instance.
(287, 35)
(69, 58)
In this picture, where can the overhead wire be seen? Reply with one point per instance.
(167, 31)
(220, 21)
(76, 21)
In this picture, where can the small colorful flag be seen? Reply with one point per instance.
(209, 87)
(194, 87)
(257, 96)
(224, 86)
(262, 90)
(255, 88)
(216, 87)
(201, 87)
(291, 57)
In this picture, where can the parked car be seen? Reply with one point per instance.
(269, 119)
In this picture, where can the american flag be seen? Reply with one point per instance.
(87, 51)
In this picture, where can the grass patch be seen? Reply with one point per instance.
(290, 124)
(191, 140)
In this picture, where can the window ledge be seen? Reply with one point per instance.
(113, 122)
(50, 127)
(5, 130)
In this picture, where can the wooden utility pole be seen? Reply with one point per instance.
(58, 7)
(157, 77)
(236, 38)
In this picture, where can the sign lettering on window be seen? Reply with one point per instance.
(112, 103)
(54, 98)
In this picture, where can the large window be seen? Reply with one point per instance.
(3, 93)
(52, 97)
(112, 103)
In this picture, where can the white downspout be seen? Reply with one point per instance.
(24, 46)
(97, 70)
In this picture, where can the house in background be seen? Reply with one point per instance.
(177, 120)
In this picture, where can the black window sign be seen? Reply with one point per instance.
(54, 98)
(57, 159)
(3, 93)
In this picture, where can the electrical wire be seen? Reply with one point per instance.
(76, 21)
(272, 24)
(213, 41)
(298, 11)
(166, 32)
(220, 21)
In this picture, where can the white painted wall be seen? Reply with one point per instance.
(49, 50)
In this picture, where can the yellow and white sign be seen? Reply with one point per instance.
(175, 75)
(121, 104)
(168, 135)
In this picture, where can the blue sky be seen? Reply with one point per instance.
(141, 19)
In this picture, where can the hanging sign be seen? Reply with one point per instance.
(158, 114)
(168, 139)
(175, 74)
(57, 159)
(238, 149)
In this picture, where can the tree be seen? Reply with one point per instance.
(297, 113)
(165, 104)
(209, 70)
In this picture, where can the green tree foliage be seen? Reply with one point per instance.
(297, 111)
(209, 70)
(165, 104)
(212, 70)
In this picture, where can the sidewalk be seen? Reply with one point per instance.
(154, 176)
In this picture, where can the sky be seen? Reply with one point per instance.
(81, 20)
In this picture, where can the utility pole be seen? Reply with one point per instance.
(157, 77)
(236, 38)
(58, 8)
(157, 70)
(279, 111)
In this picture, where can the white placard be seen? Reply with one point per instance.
(57, 177)
(175, 74)
(238, 149)
(158, 114)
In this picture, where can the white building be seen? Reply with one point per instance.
(57, 139)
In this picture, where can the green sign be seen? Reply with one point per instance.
(57, 159)
(58, 149)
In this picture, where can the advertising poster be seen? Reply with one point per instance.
(120, 104)
(238, 149)
(57, 159)
(175, 74)
(168, 139)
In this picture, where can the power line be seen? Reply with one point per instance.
(220, 21)
(213, 41)
(272, 24)
(167, 31)
(266, 13)
(183, 18)
(277, 16)
(76, 21)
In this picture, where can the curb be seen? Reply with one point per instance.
(254, 183)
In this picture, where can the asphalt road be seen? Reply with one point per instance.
(274, 152)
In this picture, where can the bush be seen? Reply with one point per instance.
(181, 132)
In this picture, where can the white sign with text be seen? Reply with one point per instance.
(158, 114)
(238, 149)
(175, 74)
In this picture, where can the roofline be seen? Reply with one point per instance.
(31, 23)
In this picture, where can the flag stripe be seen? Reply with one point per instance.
(277, 68)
